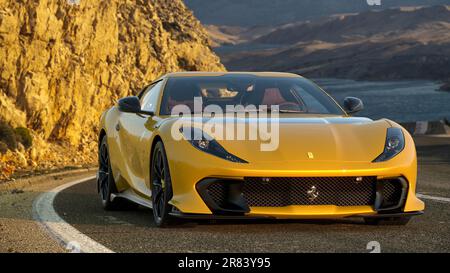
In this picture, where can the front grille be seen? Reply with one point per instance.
(285, 191)
(392, 191)
(218, 193)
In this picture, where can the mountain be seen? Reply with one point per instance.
(391, 44)
(62, 63)
(395, 22)
(248, 13)
(233, 35)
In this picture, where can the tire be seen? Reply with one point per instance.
(106, 183)
(387, 221)
(161, 186)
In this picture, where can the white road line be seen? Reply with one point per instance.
(44, 212)
(435, 198)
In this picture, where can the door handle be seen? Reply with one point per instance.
(118, 127)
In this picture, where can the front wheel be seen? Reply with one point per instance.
(161, 186)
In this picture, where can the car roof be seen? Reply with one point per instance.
(215, 74)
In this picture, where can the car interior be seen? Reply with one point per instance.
(222, 94)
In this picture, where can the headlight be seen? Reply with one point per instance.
(207, 144)
(395, 142)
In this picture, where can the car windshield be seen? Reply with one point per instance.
(287, 94)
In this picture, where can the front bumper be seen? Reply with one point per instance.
(190, 167)
(187, 198)
(277, 195)
(193, 216)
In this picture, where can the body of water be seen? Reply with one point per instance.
(401, 101)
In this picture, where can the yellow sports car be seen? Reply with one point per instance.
(253, 145)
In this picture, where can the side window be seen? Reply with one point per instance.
(149, 99)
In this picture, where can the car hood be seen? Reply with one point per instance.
(343, 139)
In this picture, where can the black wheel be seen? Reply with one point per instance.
(161, 186)
(106, 184)
(394, 221)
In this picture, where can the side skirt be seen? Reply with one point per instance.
(133, 197)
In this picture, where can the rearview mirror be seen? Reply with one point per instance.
(132, 105)
(353, 105)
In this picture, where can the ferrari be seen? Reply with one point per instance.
(318, 161)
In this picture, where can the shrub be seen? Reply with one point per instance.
(3, 147)
(23, 136)
(7, 135)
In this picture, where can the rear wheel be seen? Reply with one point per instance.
(161, 186)
(394, 221)
(106, 184)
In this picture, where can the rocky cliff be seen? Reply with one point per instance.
(63, 62)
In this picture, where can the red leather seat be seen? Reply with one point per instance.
(272, 96)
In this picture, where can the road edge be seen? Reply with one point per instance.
(23, 182)
(44, 214)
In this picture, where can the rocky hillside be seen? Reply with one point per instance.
(377, 45)
(234, 35)
(390, 22)
(64, 62)
(248, 13)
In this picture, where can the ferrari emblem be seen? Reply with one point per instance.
(310, 155)
(312, 193)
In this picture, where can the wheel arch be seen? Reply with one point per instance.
(101, 135)
(155, 140)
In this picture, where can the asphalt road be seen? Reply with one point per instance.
(134, 230)
(19, 231)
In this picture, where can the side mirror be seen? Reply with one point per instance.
(353, 105)
(132, 105)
